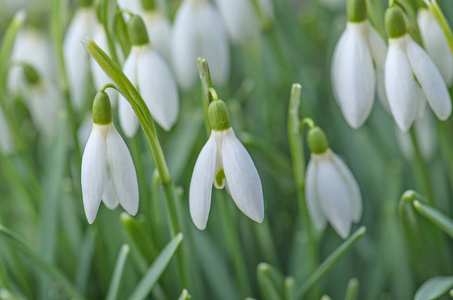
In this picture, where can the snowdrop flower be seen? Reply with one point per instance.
(436, 44)
(159, 30)
(410, 76)
(99, 77)
(199, 32)
(108, 172)
(331, 190)
(354, 76)
(44, 102)
(224, 162)
(150, 74)
(241, 18)
(76, 57)
(31, 47)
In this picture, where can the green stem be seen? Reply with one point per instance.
(447, 149)
(236, 254)
(206, 85)
(421, 167)
(330, 261)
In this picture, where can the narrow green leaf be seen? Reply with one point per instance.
(268, 288)
(49, 269)
(185, 295)
(434, 288)
(330, 261)
(353, 289)
(435, 216)
(85, 259)
(114, 287)
(289, 288)
(139, 236)
(157, 268)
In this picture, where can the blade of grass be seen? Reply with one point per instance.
(157, 268)
(85, 260)
(114, 287)
(435, 216)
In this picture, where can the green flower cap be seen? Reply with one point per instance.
(137, 31)
(148, 5)
(102, 109)
(218, 115)
(317, 140)
(31, 75)
(356, 10)
(85, 3)
(395, 22)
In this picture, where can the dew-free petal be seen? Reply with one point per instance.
(128, 119)
(312, 197)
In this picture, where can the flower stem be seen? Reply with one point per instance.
(421, 167)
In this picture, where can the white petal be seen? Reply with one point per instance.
(99, 76)
(353, 75)
(400, 84)
(312, 197)
(159, 32)
(432, 83)
(94, 173)
(353, 188)
(333, 193)
(122, 171)
(128, 119)
(240, 19)
(214, 43)
(242, 177)
(109, 197)
(425, 129)
(76, 57)
(184, 46)
(201, 184)
(44, 102)
(436, 44)
(158, 88)
(134, 6)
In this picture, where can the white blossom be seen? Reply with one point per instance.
(76, 57)
(199, 32)
(411, 78)
(224, 162)
(159, 32)
(108, 172)
(332, 193)
(436, 44)
(358, 70)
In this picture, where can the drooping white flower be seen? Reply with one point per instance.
(241, 19)
(76, 57)
(224, 162)
(31, 47)
(99, 76)
(108, 172)
(199, 32)
(436, 44)
(331, 191)
(411, 77)
(152, 77)
(358, 68)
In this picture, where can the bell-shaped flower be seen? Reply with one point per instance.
(44, 102)
(224, 162)
(159, 30)
(149, 73)
(331, 191)
(75, 55)
(108, 172)
(411, 77)
(241, 18)
(31, 47)
(199, 32)
(99, 77)
(436, 44)
(358, 66)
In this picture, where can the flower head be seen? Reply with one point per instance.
(411, 77)
(199, 32)
(149, 73)
(331, 190)
(224, 162)
(108, 173)
(358, 66)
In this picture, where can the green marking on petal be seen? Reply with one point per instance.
(219, 177)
